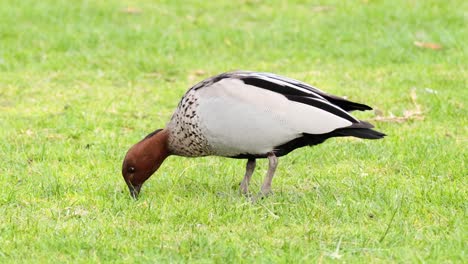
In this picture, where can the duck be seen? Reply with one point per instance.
(246, 115)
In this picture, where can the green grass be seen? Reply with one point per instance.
(80, 82)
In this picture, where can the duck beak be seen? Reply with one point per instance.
(134, 190)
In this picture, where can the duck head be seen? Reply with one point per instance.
(143, 159)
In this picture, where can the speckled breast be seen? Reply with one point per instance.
(186, 137)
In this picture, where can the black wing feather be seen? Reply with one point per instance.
(261, 80)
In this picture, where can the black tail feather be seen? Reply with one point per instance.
(366, 133)
(359, 130)
(346, 105)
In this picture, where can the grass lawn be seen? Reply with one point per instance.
(81, 81)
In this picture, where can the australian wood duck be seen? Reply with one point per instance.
(245, 115)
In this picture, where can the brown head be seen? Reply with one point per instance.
(143, 159)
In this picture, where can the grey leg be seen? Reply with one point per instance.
(249, 170)
(272, 163)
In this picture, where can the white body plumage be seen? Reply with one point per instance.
(230, 116)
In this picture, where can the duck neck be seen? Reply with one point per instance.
(156, 148)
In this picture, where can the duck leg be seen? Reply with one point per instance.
(272, 164)
(250, 167)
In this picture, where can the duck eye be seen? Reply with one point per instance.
(131, 169)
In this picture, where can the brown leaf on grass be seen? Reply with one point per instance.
(412, 114)
(199, 72)
(154, 74)
(55, 136)
(427, 45)
(131, 10)
(195, 75)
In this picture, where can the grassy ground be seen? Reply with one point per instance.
(80, 82)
